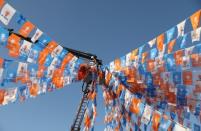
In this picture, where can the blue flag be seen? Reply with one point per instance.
(164, 124)
(34, 54)
(181, 95)
(23, 93)
(183, 41)
(177, 79)
(151, 90)
(3, 36)
(170, 62)
(21, 19)
(170, 34)
(148, 78)
(48, 60)
(196, 127)
(140, 50)
(43, 40)
(153, 53)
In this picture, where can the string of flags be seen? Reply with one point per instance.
(41, 65)
(27, 75)
(91, 111)
(154, 87)
(157, 86)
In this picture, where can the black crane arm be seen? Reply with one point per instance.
(79, 54)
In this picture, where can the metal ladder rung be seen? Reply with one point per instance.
(80, 113)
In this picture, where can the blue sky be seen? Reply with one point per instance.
(107, 28)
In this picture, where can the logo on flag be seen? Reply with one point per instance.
(25, 49)
(180, 28)
(37, 35)
(147, 114)
(195, 35)
(6, 14)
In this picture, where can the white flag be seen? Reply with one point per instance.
(22, 69)
(37, 35)
(188, 51)
(152, 42)
(195, 35)
(136, 63)
(72, 65)
(128, 59)
(147, 114)
(25, 48)
(50, 71)
(128, 98)
(178, 127)
(186, 59)
(54, 62)
(181, 27)
(42, 87)
(111, 67)
(67, 80)
(1, 74)
(57, 51)
(10, 96)
(161, 53)
(166, 76)
(7, 13)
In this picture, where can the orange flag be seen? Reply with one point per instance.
(14, 45)
(58, 79)
(2, 3)
(26, 29)
(196, 60)
(156, 78)
(87, 121)
(33, 90)
(187, 77)
(92, 95)
(117, 65)
(171, 97)
(134, 54)
(51, 46)
(108, 78)
(66, 60)
(44, 53)
(134, 107)
(178, 56)
(25, 78)
(144, 56)
(40, 71)
(42, 57)
(119, 89)
(171, 46)
(1, 62)
(195, 19)
(156, 121)
(2, 93)
(160, 42)
(150, 65)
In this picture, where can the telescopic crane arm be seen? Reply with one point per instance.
(80, 54)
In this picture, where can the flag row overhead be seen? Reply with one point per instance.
(37, 64)
(158, 85)
(154, 87)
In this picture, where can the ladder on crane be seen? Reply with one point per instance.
(87, 86)
(81, 112)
